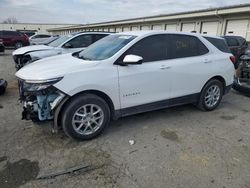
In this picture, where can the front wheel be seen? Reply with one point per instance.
(18, 45)
(211, 95)
(85, 117)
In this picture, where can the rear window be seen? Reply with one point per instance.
(220, 44)
(186, 46)
(232, 41)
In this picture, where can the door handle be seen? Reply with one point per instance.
(164, 67)
(207, 61)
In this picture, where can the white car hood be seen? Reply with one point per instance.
(33, 48)
(53, 67)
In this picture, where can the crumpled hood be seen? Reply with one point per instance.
(53, 67)
(24, 50)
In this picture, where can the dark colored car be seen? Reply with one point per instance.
(247, 52)
(2, 47)
(237, 45)
(14, 39)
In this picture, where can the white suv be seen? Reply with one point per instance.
(124, 74)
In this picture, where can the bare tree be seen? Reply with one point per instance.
(10, 20)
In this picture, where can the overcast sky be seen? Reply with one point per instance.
(92, 11)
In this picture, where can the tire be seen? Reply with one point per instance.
(215, 98)
(3, 86)
(77, 114)
(240, 88)
(18, 45)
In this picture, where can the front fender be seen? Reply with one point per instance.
(92, 79)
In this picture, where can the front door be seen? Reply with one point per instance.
(150, 81)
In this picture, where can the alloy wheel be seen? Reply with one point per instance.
(212, 96)
(88, 119)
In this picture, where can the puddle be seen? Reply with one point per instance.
(228, 117)
(170, 135)
(18, 173)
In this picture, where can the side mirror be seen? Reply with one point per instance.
(68, 45)
(132, 60)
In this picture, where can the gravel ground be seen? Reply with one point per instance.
(177, 147)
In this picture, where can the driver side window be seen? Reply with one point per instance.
(80, 41)
(152, 48)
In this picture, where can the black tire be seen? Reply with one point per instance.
(74, 105)
(201, 101)
(18, 45)
(3, 86)
(241, 89)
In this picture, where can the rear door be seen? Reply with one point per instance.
(190, 65)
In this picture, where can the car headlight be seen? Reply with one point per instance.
(38, 85)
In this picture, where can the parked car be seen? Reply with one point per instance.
(65, 44)
(2, 47)
(242, 76)
(14, 39)
(237, 46)
(247, 52)
(124, 74)
(42, 39)
(28, 33)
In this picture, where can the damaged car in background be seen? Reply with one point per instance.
(121, 75)
(65, 44)
(242, 76)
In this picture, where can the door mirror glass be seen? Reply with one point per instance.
(68, 45)
(132, 60)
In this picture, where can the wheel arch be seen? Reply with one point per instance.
(104, 96)
(219, 78)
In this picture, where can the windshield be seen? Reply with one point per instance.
(59, 41)
(106, 47)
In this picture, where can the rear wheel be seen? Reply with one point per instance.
(85, 117)
(211, 95)
(18, 45)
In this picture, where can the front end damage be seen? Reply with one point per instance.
(21, 60)
(40, 100)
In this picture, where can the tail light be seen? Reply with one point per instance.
(233, 59)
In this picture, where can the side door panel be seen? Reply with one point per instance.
(143, 84)
(189, 75)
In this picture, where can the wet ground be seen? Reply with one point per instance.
(177, 147)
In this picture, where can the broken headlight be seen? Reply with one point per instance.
(38, 85)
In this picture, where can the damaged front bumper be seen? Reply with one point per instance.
(40, 105)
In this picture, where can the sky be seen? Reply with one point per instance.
(95, 11)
